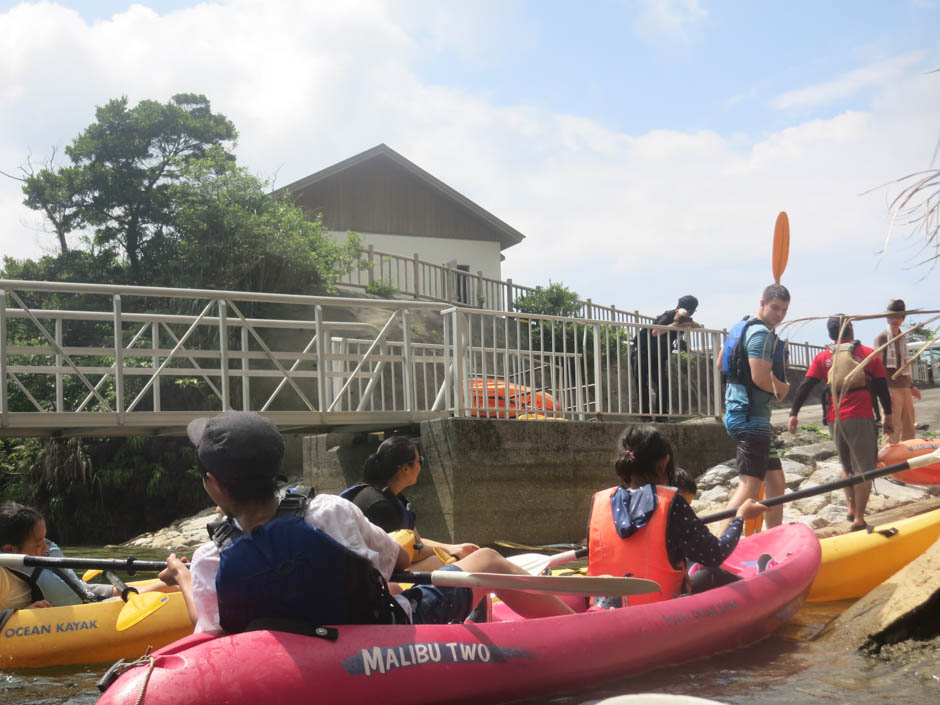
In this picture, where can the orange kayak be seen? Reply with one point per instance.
(905, 450)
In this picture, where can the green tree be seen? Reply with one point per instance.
(123, 171)
(554, 300)
(231, 233)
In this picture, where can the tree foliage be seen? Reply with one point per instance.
(554, 300)
(158, 199)
(124, 170)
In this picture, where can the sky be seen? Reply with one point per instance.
(643, 147)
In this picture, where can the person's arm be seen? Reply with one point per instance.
(879, 386)
(177, 573)
(689, 539)
(763, 377)
(802, 393)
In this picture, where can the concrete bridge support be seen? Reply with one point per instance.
(489, 479)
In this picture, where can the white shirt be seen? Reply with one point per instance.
(339, 518)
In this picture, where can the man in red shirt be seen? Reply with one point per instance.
(849, 410)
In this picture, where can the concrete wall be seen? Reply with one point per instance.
(490, 479)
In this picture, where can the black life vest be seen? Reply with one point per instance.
(354, 494)
(287, 571)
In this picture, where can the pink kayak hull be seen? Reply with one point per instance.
(483, 663)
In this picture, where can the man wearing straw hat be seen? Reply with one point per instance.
(895, 357)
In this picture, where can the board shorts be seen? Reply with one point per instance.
(431, 604)
(857, 441)
(753, 454)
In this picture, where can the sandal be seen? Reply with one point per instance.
(861, 527)
(850, 517)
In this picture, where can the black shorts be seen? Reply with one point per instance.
(753, 454)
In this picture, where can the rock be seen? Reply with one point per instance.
(792, 480)
(903, 607)
(826, 471)
(800, 438)
(716, 495)
(792, 466)
(718, 476)
(888, 495)
(182, 535)
(816, 451)
(815, 504)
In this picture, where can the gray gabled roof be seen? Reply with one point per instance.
(507, 235)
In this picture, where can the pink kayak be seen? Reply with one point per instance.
(482, 663)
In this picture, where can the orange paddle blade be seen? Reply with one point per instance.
(781, 245)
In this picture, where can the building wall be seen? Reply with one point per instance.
(480, 255)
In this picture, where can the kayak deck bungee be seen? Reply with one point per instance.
(853, 564)
(87, 634)
(481, 662)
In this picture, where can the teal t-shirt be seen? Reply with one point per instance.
(759, 341)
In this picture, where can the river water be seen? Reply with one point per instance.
(799, 664)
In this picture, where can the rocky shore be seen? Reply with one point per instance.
(809, 459)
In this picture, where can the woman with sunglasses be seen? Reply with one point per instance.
(393, 467)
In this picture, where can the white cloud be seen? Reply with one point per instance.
(631, 219)
(873, 75)
(670, 18)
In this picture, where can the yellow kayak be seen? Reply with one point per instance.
(855, 563)
(57, 636)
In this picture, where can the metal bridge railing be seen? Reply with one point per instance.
(90, 359)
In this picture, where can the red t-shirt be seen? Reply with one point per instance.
(857, 404)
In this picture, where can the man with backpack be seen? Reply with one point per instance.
(747, 364)
(852, 375)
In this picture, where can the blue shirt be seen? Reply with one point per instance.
(759, 342)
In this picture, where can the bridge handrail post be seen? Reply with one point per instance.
(598, 387)
(223, 353)
(246, 370)
(59, 386)
(155, 347)
(321, 358)
(408, 372)
(716, 379)
(3, 358)
(118, 359)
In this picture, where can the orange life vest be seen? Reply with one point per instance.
(642, 555)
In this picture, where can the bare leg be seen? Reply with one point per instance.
(775, 486)
(849, 493)
(862, 491)
(748, 487)
(525, 604)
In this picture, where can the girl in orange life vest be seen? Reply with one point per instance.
(644, 528)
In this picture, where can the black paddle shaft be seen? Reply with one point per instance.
(130, 565)
(813, 491)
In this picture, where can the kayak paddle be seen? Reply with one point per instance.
(910, 463)
(129, 565)
(446, 578)
(136, 606)
(546, 547)
(560, 585)
(781, 245)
